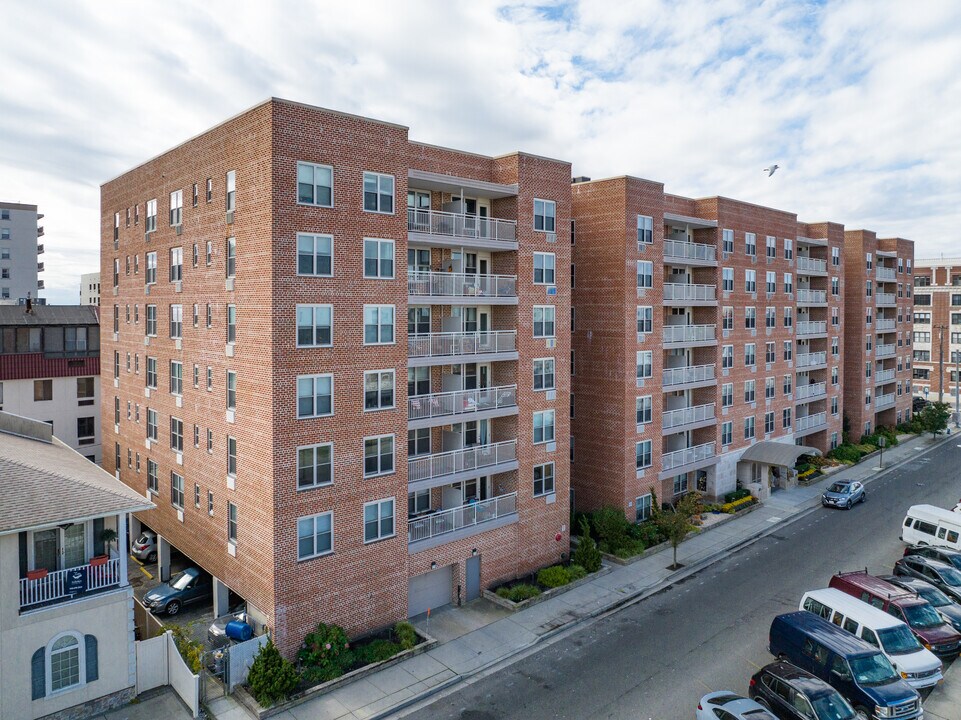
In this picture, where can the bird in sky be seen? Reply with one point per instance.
(770, 170)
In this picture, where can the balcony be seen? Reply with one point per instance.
(883, 376)
(808, 360)
(693, 376)
(687, 459)
(885, 299)
(439, 348)
(40, 285)
(461, 288)
(688, 253)
(882, 402)
(883, 351)
(810, 423)
(810, 266)
(63, 585)
(812, 327)
(689, 418)
(40, 231)
(809, 392)
(884, 274)
(40, 249)
(39, 267)
(455, 523)
(884, 324)
(455, 230)
(806, 296)
(689, 294)
(437, 469)
(679, 335)
(423, 410)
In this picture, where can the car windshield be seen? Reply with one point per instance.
(898, 640)
(841, 488)
(758, 715)
(950, 576)
(143, 540)
(873, 669)
(933, 596)
(922, 616)
(180, 581)
(832, 707)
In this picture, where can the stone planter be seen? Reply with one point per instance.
(546, 595)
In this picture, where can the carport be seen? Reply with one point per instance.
(769, 465)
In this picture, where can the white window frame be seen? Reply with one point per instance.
(750, 244)
(313, 167)
(544, 311)
(315, 328)
(645, 274)
(150, 268)
(380, 376)
(645, 230)
(645, 319)
(546, 367)
(150, 224)
(380, 519)
(176, 208)
(644, 409)
(393, 455)
(312, 519)
(315, 452)
(645, 364)
(727, 432)
(380, 324)
(543, 416)
(313, 239)
(81, 650)
(546, 479)
(313, 380)
(727, 241)
(642, 508)
(643, 454)
(541, 208)
(377, 178)
(750, 281)
(378, 259)
(547, 269)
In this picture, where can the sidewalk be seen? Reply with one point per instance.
(944, 702)
(479, 635)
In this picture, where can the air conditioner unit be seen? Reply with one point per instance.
(551, 343)
(551, 237)
(230, 217)
(552, 290)
(179, 228)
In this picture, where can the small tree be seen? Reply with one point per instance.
(190, 650)
(108, 536)
(934, 417)
(676, 523)
(587, 555)
(271, 677)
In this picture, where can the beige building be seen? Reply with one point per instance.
(66, 620)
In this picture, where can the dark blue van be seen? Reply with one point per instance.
(854, 668)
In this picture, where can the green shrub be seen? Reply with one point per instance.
(649, 534)
(375, 651)
(736, 495)
(553, 576)
(190, 650)
(518, 593)
(610, 526)
(405, 634)
(271, 678)
(845, 453)
(587, 555)
(325, 654)
(576, 572)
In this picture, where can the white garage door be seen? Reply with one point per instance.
(430, 590)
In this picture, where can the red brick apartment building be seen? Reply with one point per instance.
(704, 329)
(252, 301)
(877, 349)
(937, 328)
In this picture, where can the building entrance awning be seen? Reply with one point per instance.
(777, 453)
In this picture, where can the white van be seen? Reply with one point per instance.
(919, 667)
(931, 525)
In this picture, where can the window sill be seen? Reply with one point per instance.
(305, 488)
(317, 556)
(380, 474)
(379, 539)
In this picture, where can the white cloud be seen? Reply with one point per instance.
(858, 100)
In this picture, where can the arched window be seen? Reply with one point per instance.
(65, 662)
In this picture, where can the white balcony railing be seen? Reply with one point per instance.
(812, 327)
(447, 521)
(882, 351)
(690, 374)
(451, 344)
(441, 284)
(435, 222)
(58, 585)
(438, 465)
(682, 250)
(460, 402)
(687, 291)
(810, 391)
(687, 416)
(809, 264)
(884, 324)
(689, 333)
(806, 295)
(885, 299)
(808, 359)
(884, 401)
(679, 458)
(884, 274)
(810, 421)
(883, 376)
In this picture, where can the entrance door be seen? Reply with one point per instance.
(74, 552)
(473, 577)
(46, 550)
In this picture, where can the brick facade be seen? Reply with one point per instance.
(937, 324)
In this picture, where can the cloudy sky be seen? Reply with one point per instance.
(859, 101)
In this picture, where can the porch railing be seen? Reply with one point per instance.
(460, 402)
(690, 374)
(64, 584)
(472, 514)
(441, 284)
(679, 458)
(683, 250)
(457, 343)
(454, 461)
(436, 222)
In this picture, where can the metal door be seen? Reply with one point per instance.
(473, 577)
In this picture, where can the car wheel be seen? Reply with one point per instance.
(864, 496)
(862, 713)
(173, 607)
(847, 505)
(152, 557)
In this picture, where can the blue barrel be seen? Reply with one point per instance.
(237, 630)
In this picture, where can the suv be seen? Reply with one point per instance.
(945, 555)
(946, 607)
(945, 577)
(793, 694)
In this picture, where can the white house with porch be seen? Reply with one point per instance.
(66, 608)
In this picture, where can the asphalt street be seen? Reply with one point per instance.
(656, 658)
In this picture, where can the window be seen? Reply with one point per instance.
(196, 495)
(543, 479)
(680, 484)
(543, 426)
(727, 356)
(86, 431)
(545, 212)
(868, 263)
(418, 442)
(769, 388)
(834, 376)
(868, 288)
(835, 286)
(727, 432)
(315, 535)
(378, 193)
(788, 283)
(642, 508)
(378, 455)
(65, 664)
(153, 483)
(210, 378)
(727, 318)
(643, 409)
(210, 316)
(379, 324)
(315, 255)
(924, 318)
(835, 317)
(176, 207)
(749, 391)
(544, 374)
(770, 247)
(231, 183)
(153, 432)
(750, 280)
(195, 196)
(231, 523)
(230, 261)
(116, 411)
(314, 325)
(645, 274)
(788, 249)
(176, 377)
(750, 317)
(177, 490)
(645, 364)
(315, 466)
(788, 350)
(750, 244)
(727, 241)
(645, 230)
(922, 299)
(788, 317)
(231, 324)
(727, 394)
(769, 423)
(378, 520)
(196, 315)
(544, 268)
(835, 347)
(750, 354)
(231, 457)
(645, 319)
(176, 435)
(42, 390)
(176, 321)
(150, 268)
(770, 317)
(315, 395)
(152, 372)
(836, 256)
(379, 259)
(727, 279)
(543, 321)
(315, 184)
(642, 454)
(210, 252)
(231, 388)
(379, 390)
(922, 281)
(151, 223)
(749, 428)
(196, 436)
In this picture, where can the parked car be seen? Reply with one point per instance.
(844, 494)
(725, 705)
(917, 404)
(946, 578)
(941, 554)
(217, 632)
(793, 694)
(145, 547)
(190, 586)
(931, 525)
(946, 607)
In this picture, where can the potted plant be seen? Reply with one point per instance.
(108, 536)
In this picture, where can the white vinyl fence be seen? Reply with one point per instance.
(239, 658)
(159, 663)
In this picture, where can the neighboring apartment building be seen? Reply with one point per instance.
(255, 355)
(707, 344)
(878, 310)
(90, 289)
(66, 615)
(50, 370)
(19, 251)
(937, 328)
